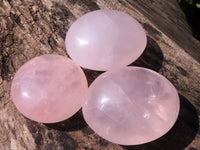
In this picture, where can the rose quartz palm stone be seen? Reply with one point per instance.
(131, 105)
(49, 88)
(105, 39)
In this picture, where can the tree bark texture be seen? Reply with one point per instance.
(30, 28)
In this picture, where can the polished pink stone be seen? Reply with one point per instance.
(131, 105)
(105, 39)
(49, 88)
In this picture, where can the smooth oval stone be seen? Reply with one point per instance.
(131, 105)
(105, 39)
(49, 88)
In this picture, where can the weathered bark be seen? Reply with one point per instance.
(31, 28)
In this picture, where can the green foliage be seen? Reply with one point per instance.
(192, 12)
(190, 2)
(186, 4)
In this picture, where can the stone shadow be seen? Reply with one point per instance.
(76, 122)
(152, 56)
(181, 134)
(91, 75)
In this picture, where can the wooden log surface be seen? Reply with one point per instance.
(30, 28)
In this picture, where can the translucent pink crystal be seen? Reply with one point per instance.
(49, 88)
(105, 39)
(131, 105)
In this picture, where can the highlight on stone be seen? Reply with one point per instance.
(49, 88)
(131, 105)
(105, 39)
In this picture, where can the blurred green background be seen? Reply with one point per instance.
(192, 12)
